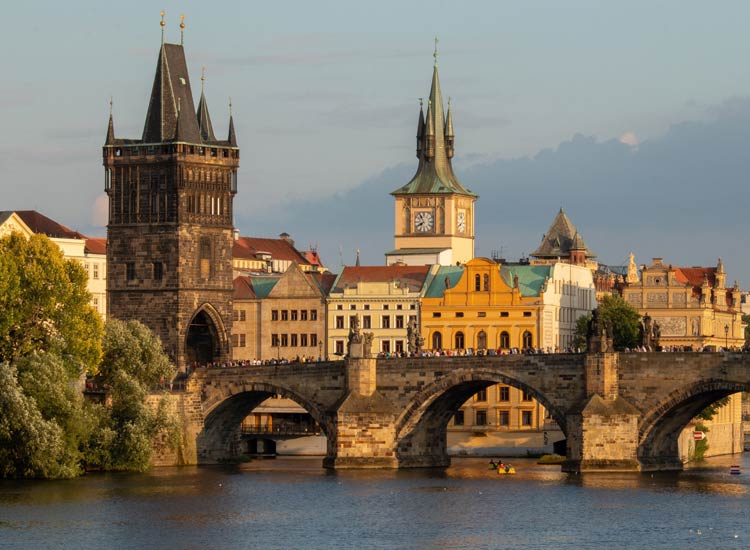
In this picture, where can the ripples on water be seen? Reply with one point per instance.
(294, 503)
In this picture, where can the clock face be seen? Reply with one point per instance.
(461, 221)
(423, 222)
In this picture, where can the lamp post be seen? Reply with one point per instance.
(726, 336)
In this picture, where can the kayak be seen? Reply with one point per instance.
(503, 471)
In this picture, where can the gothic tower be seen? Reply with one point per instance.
(169, 249)
(434, 214)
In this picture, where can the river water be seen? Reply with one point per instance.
(291, 503)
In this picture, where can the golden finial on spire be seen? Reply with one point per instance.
(110, 105)
(434, 53)
(163, 24)
(182, 30)
(203, 77)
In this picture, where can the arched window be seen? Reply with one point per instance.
(477, 282)
(504, 340)
(486, 282)
(528, 340)
(459, 340)
(437, 341)
(482, 340)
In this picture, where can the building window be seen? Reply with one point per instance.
(399, 346)
(504, 393)
(437, 341)
(284, 315)
(486, 282)
(399, 307)
(528, 340)
(481, 395)
(303, 315)
(352, 320)
(158, 271)
(385, 321)
(527, 314)
(339, 307)
(274, 315)
(504, 340)
(503, 418)
(385, 307)
(242, 315)
(481, 416)
(339, 347)
(86, 268)
(366, 321)
(235, 315)
(284, 340)
(526, 417)
(339, 321)
(482, 340)
(313, 314)
(459, 340)
(130, 271)
(294, 315)
(526, 396)
(242, 340)
(412, 306)
(293, 339)
(274, 340)
(313, 340)
(458, 418)
(235, 340)
(303, 340)
(386, 346)
(367, 307)
(437, 314)
(399, 321)
(477, 282)
(482, 314)
(504, 314)
(353, 306)
(96, 271)
(459, 314)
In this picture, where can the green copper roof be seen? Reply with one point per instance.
(435, 284)
(262, 286)
(530, 277)
(435, 171)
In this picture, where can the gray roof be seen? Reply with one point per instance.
(560, 239)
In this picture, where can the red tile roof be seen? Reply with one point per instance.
(243, 288)
(695, 275)
(40, 223)
(324, 280)
(414, 276)
(279, 249)
(96, 246)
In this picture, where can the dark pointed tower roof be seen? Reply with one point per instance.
(560, 239)
(171, 86)
(449, 122)
(204, 119)
(231, 138)
(435, 171)
(110, 132)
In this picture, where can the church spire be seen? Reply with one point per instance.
(110, 127)
(435, 171)
(204, 119)
(232, 138)
(420, 130)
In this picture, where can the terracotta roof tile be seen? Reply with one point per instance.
(414, 276)
(279, 249)
(96, 246)
(243, 288)
(695, 275)
(40, 223)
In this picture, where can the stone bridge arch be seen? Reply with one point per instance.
(225, 406)
(660, 426)
(421, 429)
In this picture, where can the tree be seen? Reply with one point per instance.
(132, 348)
(623, 318)
(45, 305)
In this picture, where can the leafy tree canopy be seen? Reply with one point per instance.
(45, 305)
(624, 318)
(132, 348)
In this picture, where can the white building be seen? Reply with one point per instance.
(569, 295)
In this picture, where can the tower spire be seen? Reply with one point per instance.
(163, 24)
(420, 130)
(182, 30)
(232, 138)
(449, 137)
(110, 127)
(204, 119)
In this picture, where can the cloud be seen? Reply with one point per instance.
(100, 211)
(629, 138)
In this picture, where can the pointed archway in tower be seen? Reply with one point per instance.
(205, 339)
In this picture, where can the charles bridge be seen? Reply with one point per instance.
(618, 411)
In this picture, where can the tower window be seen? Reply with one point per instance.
(130, 271)
(158, 271)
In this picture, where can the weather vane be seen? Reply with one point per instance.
(435, 54)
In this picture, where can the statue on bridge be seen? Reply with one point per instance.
(415, 341)
(599, 334)
(649, 332)
(360, 343)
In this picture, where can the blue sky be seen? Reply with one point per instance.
(325, 99)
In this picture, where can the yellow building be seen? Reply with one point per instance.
(434, 212)
(384, 298)
(691, 305)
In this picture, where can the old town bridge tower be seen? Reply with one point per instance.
(169, 250)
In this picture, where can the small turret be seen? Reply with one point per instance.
(429, 134)
(449, 137)
(420, 130)
(110, 132)
(721, 276)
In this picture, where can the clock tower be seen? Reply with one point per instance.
(434, 214)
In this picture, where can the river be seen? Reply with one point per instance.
(291, 503)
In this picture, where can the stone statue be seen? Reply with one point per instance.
(599, 334)
(367, 339)
(649, 332)
(415, 341)
(355, 336)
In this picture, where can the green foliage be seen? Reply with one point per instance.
(709, 412)
(624, 318)
(45, 305)
(131, 348)
(700, 446)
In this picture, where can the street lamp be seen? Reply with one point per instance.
(726, 336)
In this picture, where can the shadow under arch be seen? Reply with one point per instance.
(219, 436)
(206, 337)
(660, 428)
(421, 430)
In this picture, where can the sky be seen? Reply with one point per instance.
(632, 116)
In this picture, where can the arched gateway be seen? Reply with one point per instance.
(206, 338)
